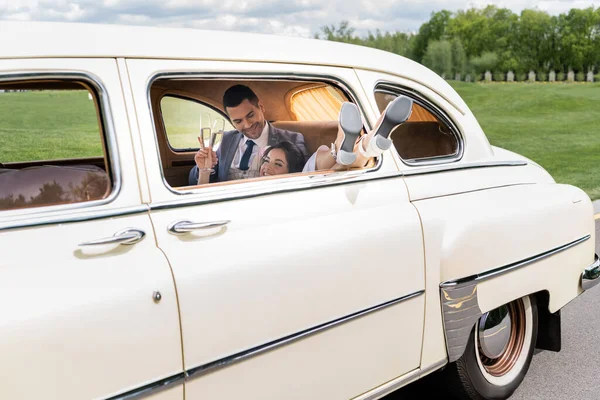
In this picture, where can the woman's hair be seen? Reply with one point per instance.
(293, 155)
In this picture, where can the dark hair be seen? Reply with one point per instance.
(235, 95)
(293, 155)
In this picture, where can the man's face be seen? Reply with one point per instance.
(248, 118)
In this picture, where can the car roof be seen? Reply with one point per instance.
(64, 39)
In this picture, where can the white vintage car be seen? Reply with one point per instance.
(120, 280)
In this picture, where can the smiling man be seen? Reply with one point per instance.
(241, 150)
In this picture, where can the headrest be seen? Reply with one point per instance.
(316, 133)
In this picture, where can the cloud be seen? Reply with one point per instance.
(284, 17)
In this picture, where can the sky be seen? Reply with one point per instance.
(282, 17)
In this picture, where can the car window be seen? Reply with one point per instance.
(183, 119)
(52, 148)
(425, 136)
(301, 112)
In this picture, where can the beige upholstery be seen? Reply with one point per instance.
(51, 184)
(423, 139)
(316, 133)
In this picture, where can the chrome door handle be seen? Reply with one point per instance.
(182, 227)
(125, 237)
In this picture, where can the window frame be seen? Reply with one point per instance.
(388, 87)
(106, 130)
(183, 97)
(240, 189)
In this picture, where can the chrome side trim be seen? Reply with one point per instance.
(178, 379)
(590, 277)
(457, 167)
(73, 218)
(107, 125)
(511, 267)
(399, 382)
(151, 389)
(244, 355)
(460, 307)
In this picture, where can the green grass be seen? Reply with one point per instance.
(46, 125)
(555, 125)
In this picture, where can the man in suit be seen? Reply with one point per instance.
(240, 152)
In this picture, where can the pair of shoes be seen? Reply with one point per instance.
(350, 126)
(396, 113)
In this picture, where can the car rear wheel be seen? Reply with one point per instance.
(498, 353)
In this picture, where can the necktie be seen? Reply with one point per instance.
(246, 156)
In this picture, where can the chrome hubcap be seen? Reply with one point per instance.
(494, 332)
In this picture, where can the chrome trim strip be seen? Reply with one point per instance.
(590, 277)
(457, 167)
(282, 185)
(244, 355)
(460, 307)
(73, 218)
(151, 389)
(511, 267)
(397, 89)
(107, 124)
(252, 76)
(399, 382)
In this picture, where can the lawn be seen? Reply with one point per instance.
(556, 125)
(46, 125)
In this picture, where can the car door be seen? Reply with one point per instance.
(307, 287)
(88, 308)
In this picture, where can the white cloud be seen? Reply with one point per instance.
(284, 17)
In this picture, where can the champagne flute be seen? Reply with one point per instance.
(205, 137)
(216, 136)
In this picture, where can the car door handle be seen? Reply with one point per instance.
(182, 227)
(126, 237)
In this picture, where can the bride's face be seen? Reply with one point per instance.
(274, 163)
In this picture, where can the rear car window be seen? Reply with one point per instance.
(51, 145)
(425, 136)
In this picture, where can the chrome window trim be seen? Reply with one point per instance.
(199, 371)
(269, 186)
(109, 137)
(460, 304)
(383, 86)
(73, 218)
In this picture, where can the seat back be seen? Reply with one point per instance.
(423, 139)
(316, 133)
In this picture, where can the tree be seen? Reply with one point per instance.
(486, 62)
(432, 30)
(459, 57)
(438, 57)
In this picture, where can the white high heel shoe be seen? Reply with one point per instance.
(351, 124)
(396, 112)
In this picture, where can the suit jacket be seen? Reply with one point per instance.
(229, 146)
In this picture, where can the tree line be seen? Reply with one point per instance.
(475, 40)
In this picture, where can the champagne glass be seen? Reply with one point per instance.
(205, 137)
(216, 137)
